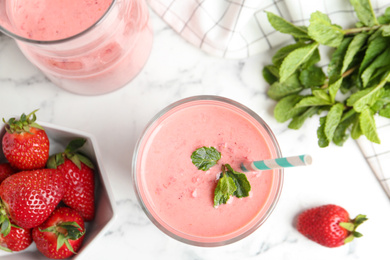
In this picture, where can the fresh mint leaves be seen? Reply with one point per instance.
(205, 157)
(349, 91)
(230, 183)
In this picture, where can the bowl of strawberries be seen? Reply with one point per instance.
(55, 199)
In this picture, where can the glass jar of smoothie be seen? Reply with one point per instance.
(88, 47)
(178, 197)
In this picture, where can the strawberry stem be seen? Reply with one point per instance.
(65, 231)
(23, 124)
(352, 226)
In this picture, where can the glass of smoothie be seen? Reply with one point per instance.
(178, 197)
(88, 47)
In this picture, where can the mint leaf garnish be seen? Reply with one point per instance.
(231, 183)
(225, 188)
(205, 157)
(240, 180)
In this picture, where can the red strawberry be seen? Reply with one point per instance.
(6, 170)
(25, 143)
(79, 178)
(61, 235)
(14, 238)
(329, 225)
(29, 197)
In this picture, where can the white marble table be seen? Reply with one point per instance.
(176, 70)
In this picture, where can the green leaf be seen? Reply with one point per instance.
(322, 94)
(75, 159)
(284, 26)
(364, 12)
(295, 59)
(279, 90)
(271, 74)
(356, 131)
(205, 157)
(323, 31)
(241, 182)
(5, 226)
(225, 188)
(282, 53)
(285, 109)
(381, 61)
(359, 219)
(369, 96)
(309, 101)
(332, 120)
(312, 76)
(363, 98)
(85, 160)
(376, 47)
(75, 144)
(299, 120)
(322, 139)
(334, 88)
(312, 60)
(340, 134)
(337, 60)
(386, 30)
(353, 48)
(385, 18)
(347, 225)
(385, 111)
(349, 239)
(368, 126)
(382, 103)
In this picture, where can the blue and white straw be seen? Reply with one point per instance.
(277, 163)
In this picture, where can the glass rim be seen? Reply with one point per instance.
(27, 40)
(190, 239)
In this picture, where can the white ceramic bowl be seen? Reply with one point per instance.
(105, 205)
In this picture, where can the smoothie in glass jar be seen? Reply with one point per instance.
(88, 47)
(178, 197)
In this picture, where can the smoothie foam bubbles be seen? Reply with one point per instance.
(177, 197)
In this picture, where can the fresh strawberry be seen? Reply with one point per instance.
(78, 171)
(61, 235)
(25, 143)
(6, 170)
(329, 225)
(14, 238)
(28, 197)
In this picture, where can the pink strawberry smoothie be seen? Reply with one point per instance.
(55, 19)
(179, 197)
(107, 41)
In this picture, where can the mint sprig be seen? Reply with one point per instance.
(353, 87)
(205, 157)
(230, 183)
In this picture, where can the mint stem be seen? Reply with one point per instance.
(344, 75)
(361, 29)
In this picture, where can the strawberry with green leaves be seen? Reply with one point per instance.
(29, 197)
(6, 170)
(61, 235)
(329, 225)
(25, 143)
(78, 171)
(14, 238)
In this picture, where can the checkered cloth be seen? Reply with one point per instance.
(378, 155)
(240, 28)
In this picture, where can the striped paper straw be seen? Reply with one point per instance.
(284, 162)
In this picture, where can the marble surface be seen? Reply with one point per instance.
(176, 70)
